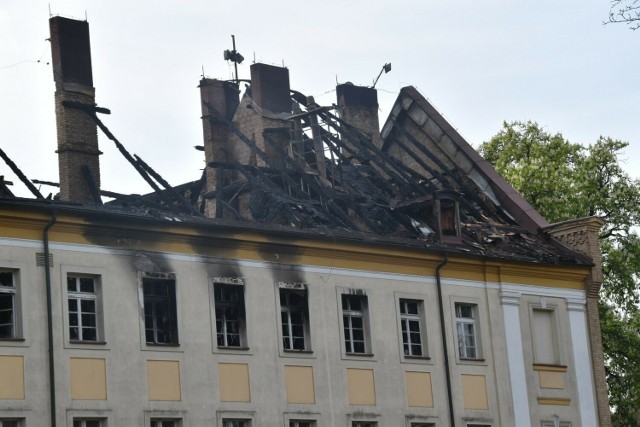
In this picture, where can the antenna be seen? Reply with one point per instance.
(203, 71)
(386, 68)
(50, 10)
(234, 56)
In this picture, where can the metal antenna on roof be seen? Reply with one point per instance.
(50, 10)
(386, 68)
(234, 56)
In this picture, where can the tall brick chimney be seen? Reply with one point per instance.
(77, 132)
(271, 93)
(223, 97)
(358, 106)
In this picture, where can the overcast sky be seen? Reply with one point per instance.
(479, 63)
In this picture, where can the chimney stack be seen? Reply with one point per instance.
(78, 153)
(223, 97)
(358, 106)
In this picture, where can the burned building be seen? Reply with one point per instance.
(318, 272)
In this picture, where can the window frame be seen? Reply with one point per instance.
(13, 291)
(290, 288)
(19, 422)
(305, 417)
(83, 421)
(420, 317)
(79, 296)
(477, 304)
(230, 282)
(100, 278)
(363, 313)
(156, 346)
(246, 416)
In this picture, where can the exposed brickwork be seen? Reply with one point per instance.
(224, 98)
(358, 106)
(582, 235)
(77, 132)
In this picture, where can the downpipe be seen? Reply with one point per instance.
(47, 278)
(443, 332)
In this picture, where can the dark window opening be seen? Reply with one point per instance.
(230, 314)
(160, 314)
(294, 313)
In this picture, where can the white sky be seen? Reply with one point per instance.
(479, 63)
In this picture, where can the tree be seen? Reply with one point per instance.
(563, 181)
(625, 11)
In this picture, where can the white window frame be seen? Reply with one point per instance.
(174, 343)
(19, 422)
(80, 296)
(229, 282)
(99, 279)
(165, 422)
(476, 321)
(405, 319)
(364, 423)
(304, 417)
(223, 416)
(83, 421)
(175, 417)
(349, 314)
(14, 292)
(286, 310)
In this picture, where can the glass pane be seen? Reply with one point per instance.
(89, 320)
(88, 306)
(414, 326)
(412, 307)
(73, 305)
(358, 347)
(71, 284)
(6, 278)
(89, 334)
(73, 334)
(86, 285)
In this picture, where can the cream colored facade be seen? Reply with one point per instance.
(123, 381)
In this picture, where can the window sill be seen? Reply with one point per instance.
(74, 342)
(417, 357)
(12, 340)
(157, 344)
(359, 354)
(286, 350)
(472, 359)
(549, 367)
(231, 348)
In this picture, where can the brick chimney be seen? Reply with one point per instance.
(78, 153)
(358, 106)
(271, 94)
(223, 97)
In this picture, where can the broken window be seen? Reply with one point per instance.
(160, 314)
(230, 314)
(7, 305)
(355, 323)
(82, 302)
(411, 326)
(294, 313)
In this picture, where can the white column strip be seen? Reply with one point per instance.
(510, 310)
(582, 360)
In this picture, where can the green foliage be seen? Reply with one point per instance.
(562, 181)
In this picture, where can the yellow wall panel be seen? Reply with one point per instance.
(299, 383)
(163, 380)
(551, 379)
(12, 377)
(88, 379)
(474, 392)
(419, 392)
(234, 382)
(361, 387)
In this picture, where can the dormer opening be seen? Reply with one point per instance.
(448, 216)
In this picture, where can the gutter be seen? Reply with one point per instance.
(443, 332)
(47, 278)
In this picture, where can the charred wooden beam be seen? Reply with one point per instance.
(85, 107)
(20, 175)
(93, 188)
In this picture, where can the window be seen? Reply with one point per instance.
(235, 423)
(422, 425)
(230, 314)
(83, 305)
(467, 329)
(7, 306)
(545, 342)
(355, 323)
(302, 423)
(411, 326)
(294, 314)
(156, 422)
(364, 424)
(10, 423)
(87, 423)
(160, 315)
